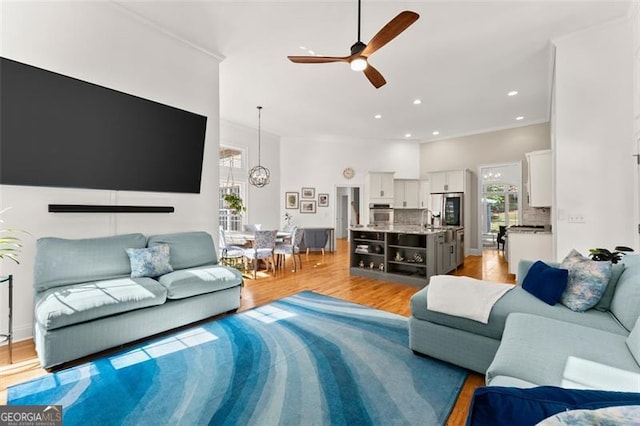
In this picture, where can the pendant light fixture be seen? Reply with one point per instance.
(259, 176)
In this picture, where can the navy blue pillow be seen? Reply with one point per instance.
(497, 406)
(545, 282)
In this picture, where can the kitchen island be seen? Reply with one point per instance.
(528, 242)
(406, 254)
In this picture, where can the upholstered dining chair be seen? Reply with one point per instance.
(263, 247)
(229, 252)
(292, 248)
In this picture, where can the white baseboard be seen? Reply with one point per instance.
(21, 333)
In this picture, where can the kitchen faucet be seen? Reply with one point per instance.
(422, 222)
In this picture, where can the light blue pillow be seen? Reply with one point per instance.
(149, 262)
(633, 341)
(619, 415)
(508, 406)
(587, 281)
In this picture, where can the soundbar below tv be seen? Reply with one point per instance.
(59, 131)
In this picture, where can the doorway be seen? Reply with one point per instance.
(500, 201)
(347, 210)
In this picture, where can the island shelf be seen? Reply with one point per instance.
(403, 255)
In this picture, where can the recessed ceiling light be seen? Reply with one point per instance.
(311, 52)
(435, 133)
(520, 117)
(303, 48)
(512, 93)
(377, 116)
(417, 101)
(407, 135)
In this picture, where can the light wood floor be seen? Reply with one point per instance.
(327, 274)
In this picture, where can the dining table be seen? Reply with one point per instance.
(246, 238)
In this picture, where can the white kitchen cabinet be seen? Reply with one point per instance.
(425, 194)
(380, 186)
(530, 246)
(406, 194)
(539, 178)
(448, 181)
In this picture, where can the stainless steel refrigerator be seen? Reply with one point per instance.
(450, 208)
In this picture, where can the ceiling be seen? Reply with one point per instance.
(459, 58)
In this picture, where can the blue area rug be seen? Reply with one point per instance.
(307, 359)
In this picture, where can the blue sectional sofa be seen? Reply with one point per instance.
(529, 343)
(86, 300)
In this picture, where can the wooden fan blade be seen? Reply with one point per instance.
(316, 59)
(374, 76)
(390, 31)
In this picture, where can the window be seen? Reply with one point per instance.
(232, 181)
(502, 206)
(230, 220)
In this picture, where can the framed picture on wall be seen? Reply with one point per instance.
(323, 200)
(291, 200)
(308, 193)
(307, 206)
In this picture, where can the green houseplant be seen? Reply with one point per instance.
(604, 255)
(9, 244)
(235, 203)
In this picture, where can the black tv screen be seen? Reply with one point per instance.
(63, 132)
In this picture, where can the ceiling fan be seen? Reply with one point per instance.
(360, 52)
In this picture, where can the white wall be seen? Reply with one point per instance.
(469, 152)
(101, 43)
(263, 204)
(319, 164)
(594, 167)
(634, 16)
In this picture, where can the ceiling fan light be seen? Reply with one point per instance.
(359, 64)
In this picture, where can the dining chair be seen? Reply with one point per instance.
(252, 227)
(292, 248)
(229, 252)
(502, 232)
(316, 239)
(263, 247)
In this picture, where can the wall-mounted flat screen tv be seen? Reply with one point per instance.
(59, 131)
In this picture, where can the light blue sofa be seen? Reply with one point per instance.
(527, 342)
(86, 300)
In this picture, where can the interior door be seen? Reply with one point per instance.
(344, 216)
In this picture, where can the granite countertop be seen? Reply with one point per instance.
(400, 229)
(528, 230)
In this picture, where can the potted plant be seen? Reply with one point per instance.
(234, 202)
(604, 255)
(9, 244)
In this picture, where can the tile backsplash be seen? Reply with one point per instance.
(407, 216)
(536, 216)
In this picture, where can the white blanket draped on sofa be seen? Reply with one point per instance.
(464, 297)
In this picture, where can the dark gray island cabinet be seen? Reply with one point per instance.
(402, 254)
